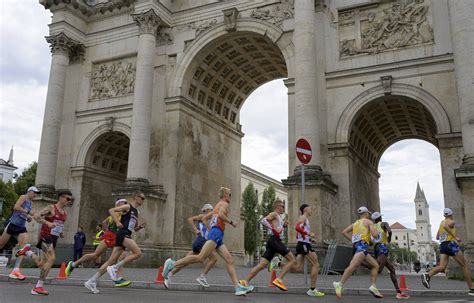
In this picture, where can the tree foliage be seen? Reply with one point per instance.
(401, 255)
(26, 179)
(9, 196)
(250, 217)
(269, 195)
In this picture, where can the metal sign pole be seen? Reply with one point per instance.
(303, 201)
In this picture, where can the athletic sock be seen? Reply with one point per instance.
(39, 283)
(17, 264)
(29, 254)
(95, 277)
(119, 264)
(202, 275)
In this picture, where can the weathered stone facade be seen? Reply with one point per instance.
(147, 94)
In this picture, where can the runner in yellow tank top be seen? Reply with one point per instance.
(361, 229)
(449, 247)
(381, 251)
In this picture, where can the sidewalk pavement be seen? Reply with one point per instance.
(220, 281)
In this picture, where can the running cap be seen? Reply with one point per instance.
(120, 200)
(448, 212)
(376, 215)
(363, 210)
(206, 207)
(34, 189)
(302, 207)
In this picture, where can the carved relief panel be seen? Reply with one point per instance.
(113, 79)
(386, 26)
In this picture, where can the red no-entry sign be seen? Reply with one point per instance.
(303, 151)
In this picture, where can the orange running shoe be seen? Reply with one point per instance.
(39, 291)
(17, 275)
(279, 283)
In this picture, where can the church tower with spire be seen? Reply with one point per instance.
(423, 228)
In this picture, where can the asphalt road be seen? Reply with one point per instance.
(20, 293)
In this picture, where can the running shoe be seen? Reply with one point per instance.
(122, 282)
(241, 290)
(279, 283)
(273, 264)
(314, 293)
(112, 272)
(425, 280)
(17, 275)
(203, 281)
(92, 286)
(39, 291)
(23, 251)
(169, 264)
(69, 268)
(375, 292)
(338, 289)
(243, 283)
(402, 296)
(471, 292)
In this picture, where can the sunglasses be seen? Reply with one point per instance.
(68, 199)
(143, 198)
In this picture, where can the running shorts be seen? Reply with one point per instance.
(449, 248)
(121, 235)
(274, 246)
(303, 248)
(216, 235)
(198, 244)
(44, 243)
(109, 238)
(380, 248)
(360, 246)
(14, 230)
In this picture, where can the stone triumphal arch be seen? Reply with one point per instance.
(146, 95)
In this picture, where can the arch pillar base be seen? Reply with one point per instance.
(320, 194)
(465, 180)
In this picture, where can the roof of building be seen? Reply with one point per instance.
(397, 225)
(6, 164)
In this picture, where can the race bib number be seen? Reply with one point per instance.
(442, 237)
(56, 231)
(132, 223)
(356, 237)
(213, 221)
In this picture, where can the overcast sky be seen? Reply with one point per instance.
(24, 68)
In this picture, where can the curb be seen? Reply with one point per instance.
(230, 288)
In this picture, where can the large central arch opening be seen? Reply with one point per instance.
(227, 71)
(382, 127)
(218, 80)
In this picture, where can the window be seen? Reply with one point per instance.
(420, 212)
(421, 227)
(404, 237)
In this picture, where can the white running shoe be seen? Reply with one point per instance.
(92, 286)
(203, 281)
(112, 273)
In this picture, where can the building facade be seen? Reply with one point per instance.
(261, 182)
(147, 94)
(7, 169)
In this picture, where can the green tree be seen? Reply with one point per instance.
(401, 255)
(9, 196)
(269, 195)
(250, 217)
(26, 179)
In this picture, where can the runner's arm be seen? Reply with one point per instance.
(45, 212)
(448, 227)
(373, 231)
(191, 221)
(347, 232)
(223, 217)
(20, 209)
(299, 227)
(119, 209)
(388, 230)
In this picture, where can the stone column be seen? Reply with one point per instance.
(139, 155)
(61, 47)
(462, 28)
(306, 105)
